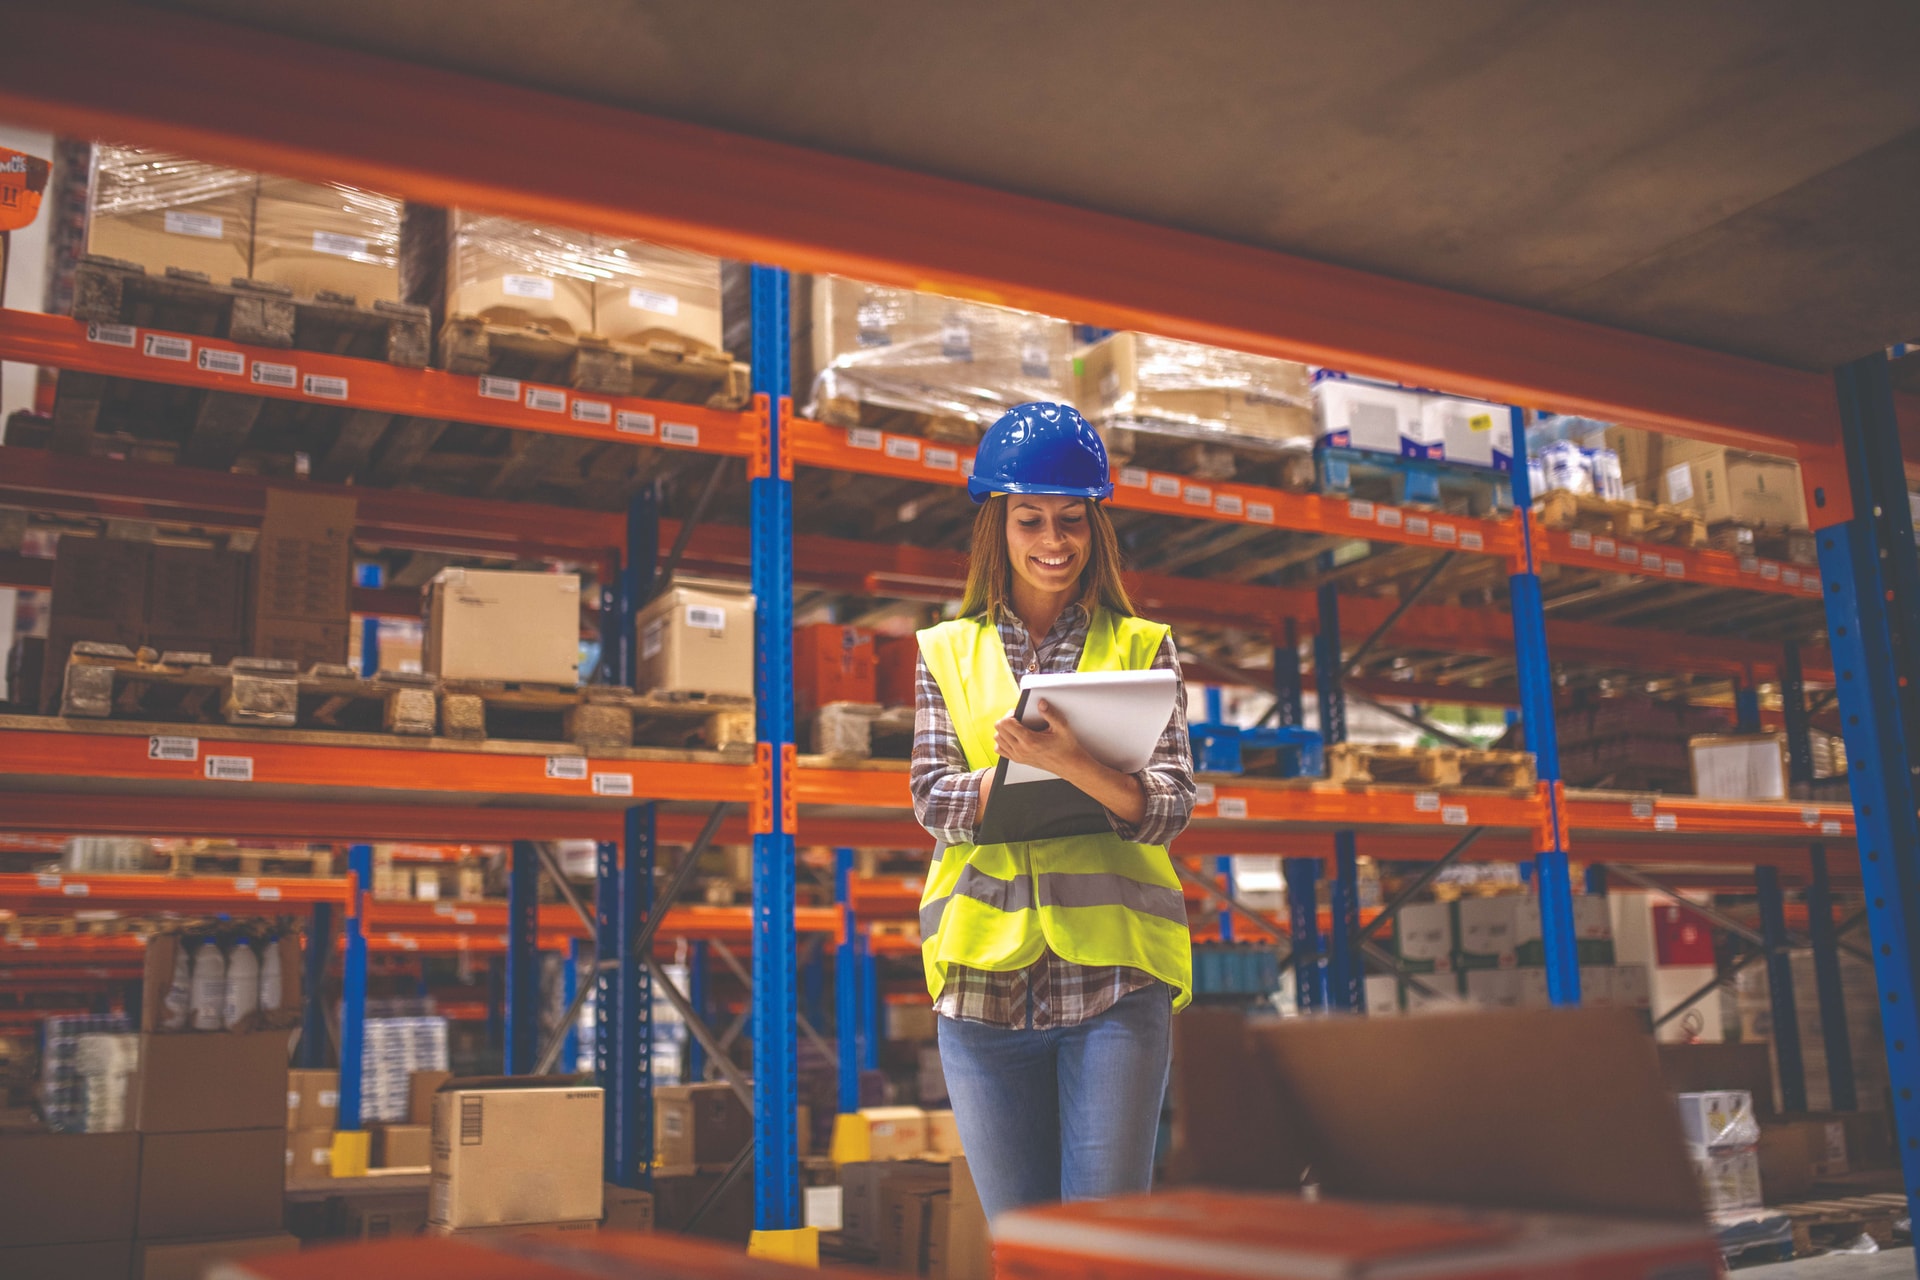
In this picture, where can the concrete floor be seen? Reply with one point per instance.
(1890, 1264)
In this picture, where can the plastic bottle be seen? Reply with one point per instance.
(209, 987)
(243, 985)
(270, 978)
(179, 999)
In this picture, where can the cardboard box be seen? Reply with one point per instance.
(1159, 384)
(697, 637)
(1359, 415)
(1471, 433)
(93, 1261)
(1596, 986)
(865, 1186)
(1507, 1137)
(313, 1097)
(189, 1259)
(1723, 1118)
(197, 592)
(507, 1152)
(1739, 766)
(729, 1218)
(896, 662)
(211, 1184)
(943, 1134)
(309, 1154)
(300, 641)
(1383, 995)
(1797, 1152)
(161, 210)
(519, 274)
(907, 1226)
(832, 663)
(699, 1124)
(1640, 454)
(40, 1174)
(320, 237)
(626, 1208)
(402, 1146)
(1593, 928)
(1491, 988)
(1484, 932)
(1423, 937)
(968, 1248)
(1201, 1234)
(1730, 1178)
(385, 1217)
(213, 1080)
(484, 624)
(303, 559)
(1723, 484)
(895, 1133)
(657, 296)
(517, 1230)
(421, 1086)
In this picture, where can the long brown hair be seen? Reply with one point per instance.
(990, 566)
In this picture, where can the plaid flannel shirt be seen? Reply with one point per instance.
(946, 798)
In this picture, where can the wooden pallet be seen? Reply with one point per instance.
(594, 717)
(843, 732)
(249, 862)
(861, 414)
(1822, 1224)
(1765, 542)
(1411, 482)
(1138, 443)
(666, 367)
(112, 681)
(1633, 521)
(1362, 764)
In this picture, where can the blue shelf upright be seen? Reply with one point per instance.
(778, 1232)
(523, 959)
(1551, 872)
(623, 998)
(1303, 910)
(350, 1155)
(1871, 583)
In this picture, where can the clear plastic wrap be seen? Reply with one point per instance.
(322, 237)
(162, 210)
(517, 273)
(960, 363)
(1147, 383)
(1722, 1118)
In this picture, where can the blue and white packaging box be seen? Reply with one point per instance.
(1351, 413)
(1471, 432)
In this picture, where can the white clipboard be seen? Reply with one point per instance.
(1116, 715)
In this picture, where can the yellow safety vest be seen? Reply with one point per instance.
(1093, 899)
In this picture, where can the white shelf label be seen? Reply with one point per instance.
(1831, 827)
(942, 459)
(1445, 533)
(113, 335)
(275, 375)
(322, 387)
(164, 346)
(1419, 525)
(1666, 822)
(568, 768)
(1227, 504)
(1388, 517)
(1789, 577)
(1203, 793)
(613, 784)
(1260, 512)
(680, 433)
(546, 400)
(1629, 555)
(627, 422)
(1426, 802)
(246, 884)
(230, 768)
(78, 889)
(905, 448)
(1769, 571)
(212, 361)
(1580, 540)
(1471, 541)
(1642, 809)
(1164, 486)
(1675, 569)
(598, 412)
(1197, 495)
(1605, 547)
(1133, 477)
(500, 388)
(1652, 563)
(865, 438)
(168, 747)
(268, 893)
(1360, 509)
(1454, 815)
(1232, 807)
(45, 881)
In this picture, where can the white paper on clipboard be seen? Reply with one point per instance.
(1116, 715)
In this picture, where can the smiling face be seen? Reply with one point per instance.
(1047, 541)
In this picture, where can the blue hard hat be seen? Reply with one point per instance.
(1041, 447)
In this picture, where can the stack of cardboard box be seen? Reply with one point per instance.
(302, 580)
(1730, 486)
(313, 1104)
(915, 1217)
(515, 1156)
(1722, 1135)
(1488, 951)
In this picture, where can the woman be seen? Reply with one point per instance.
(1055, 965)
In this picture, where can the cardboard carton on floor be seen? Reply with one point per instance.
(699, 1124)
(968, 1248)
(386, 1217)
(189, 1259)
(626, 1208)
(39, 1175)
(421, 1086)
(309, 1155)
(895, 1133)
(943, 1134)
(865, 1186)
(487, 624)
(509, 1151)
(1508, 1138)
(212, 1184)
(697, 637)
(1795, 1153)
(313, 1097)
(402, 1146)
(516, 1230)
(907, 1222)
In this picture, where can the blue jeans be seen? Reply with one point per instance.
(1065, 1114)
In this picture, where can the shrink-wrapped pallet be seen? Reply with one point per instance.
(317, 237)
(1160, 385)
(162, 210)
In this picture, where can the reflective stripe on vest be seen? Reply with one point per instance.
(1093, 899)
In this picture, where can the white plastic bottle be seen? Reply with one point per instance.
(270, 976)
(178, 1004)
(243, 985)
(209, 987)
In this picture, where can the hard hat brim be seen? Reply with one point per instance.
(980, 489)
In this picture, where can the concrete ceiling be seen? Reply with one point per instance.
(1738, 174)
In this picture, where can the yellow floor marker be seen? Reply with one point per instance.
(352, 1149)
(800, 1247)
(852, 1139)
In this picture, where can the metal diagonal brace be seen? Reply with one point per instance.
(1420, 882)
(1717, 917)
(716, 1055)
(1399, 610)
(1419, 722)
(1227, 900)
(1391, 963)
(682, 539)
(746, 980)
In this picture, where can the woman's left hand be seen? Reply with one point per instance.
(1053, 748)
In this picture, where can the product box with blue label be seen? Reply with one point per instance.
(1471, 432)
(1350, 413)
